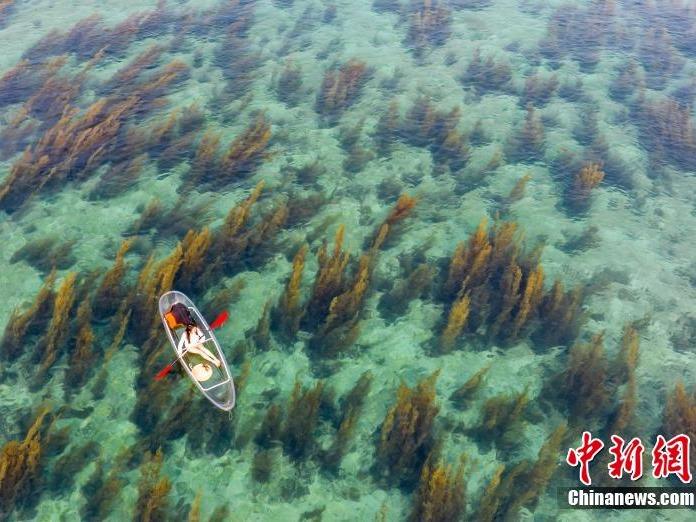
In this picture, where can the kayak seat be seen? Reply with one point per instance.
(172, 321)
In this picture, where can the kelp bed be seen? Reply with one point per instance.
(382, 320)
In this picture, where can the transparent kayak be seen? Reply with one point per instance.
(215, 383)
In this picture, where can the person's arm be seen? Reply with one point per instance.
(182, 344)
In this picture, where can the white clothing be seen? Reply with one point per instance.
(193, 342)
(193, 338)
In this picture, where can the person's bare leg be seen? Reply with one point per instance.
(210, 357)
(203, 352)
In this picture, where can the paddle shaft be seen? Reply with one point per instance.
(169, 367)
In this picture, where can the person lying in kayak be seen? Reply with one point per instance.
(192, 339)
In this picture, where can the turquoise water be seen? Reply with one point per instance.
(222, 141)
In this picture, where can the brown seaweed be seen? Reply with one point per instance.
(487, 75)
(6, 8)
(627, 358)
(154, 280)
(79, 142)
(536, 479)
(152, 503)
(124, 79)
(194, 514)
(53, 343)
(580, 32)
(341, 88)
(626, 82)
(271, 429)
(74, 144)
(223, 299)
(520, 486)
(587, 239)
(407, 434)
(68, 465)
(234, 55)
(195, 247)
(517, 192)
(351, 410)
(386, 6)
(583, 386)
(572, 91)
(289, 311)
(231, 240)
(205, 158)
(329, 280)
(387, 130)
(429, 25)
(214, 170)
(298, 430)
(118, 179)
(262, 466)
(22, 80)
(493, 496)
(392, 224)
(562, 315)
(101, 490)
(20, 465)
(456, 320)
(679, 416)
(289, 84)
(494, 283)
(45, 105)
(261, 336)
(425, 126)
(417, 284)
(90, 35)
(659, 57)
(538, 90)
(462, 394)
(20, 323)
(150, 216)
(577, 197)
(357, 155)
(440, 496)
(341, 326)
(260, 237)
(46, 253)
(221, 514)
(112, 290)
(667, 130)
(502, 419)
(248, 149)
(528, 145)
(82, 356)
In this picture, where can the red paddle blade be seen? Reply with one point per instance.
(219, 320)
(164, 371)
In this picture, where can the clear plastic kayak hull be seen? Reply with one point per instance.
(218, 387)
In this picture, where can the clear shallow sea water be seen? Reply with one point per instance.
(606, 83)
